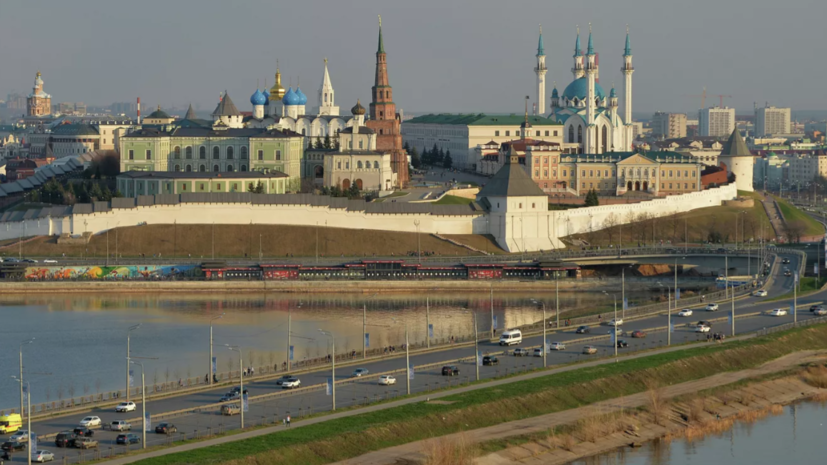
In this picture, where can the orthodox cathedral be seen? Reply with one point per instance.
(589, 117)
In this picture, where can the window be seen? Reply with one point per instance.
(376, 165)
(177, 151)
(381, 131)
(358, 165)
(537, 133)
(347, 165)
(184, 186)
(555, 133)
(278, 155)
(605, 173)
(215, 168)
(360, 142)
(670, 173)
(546, 133)
(243, 167)
(230, 151)
(579, 134)
(685, 186)
(584, 185)
(215, 153)
(188, 168)
(507, 133)
(533, 205)
(201, 186)
(686, 174)
(663, 173)
(188, 153)
(218, 186)
(177, 167)
(243, 152)
(591, 185)
(583, 173)
(131, 154)
(381, 114)
(545, 173)
(339, 165)
(202, 152)
(149, 154)
(496, 133)
(571, 134)
(693, 174)
(261, 154)
(202, 168)
(591, 173)
(662, 186)
(565, 173)
(536, 174)
(521, 205)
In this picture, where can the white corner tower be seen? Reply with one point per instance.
(627, 71)
(540, 70)
(327, 102)
(590, 145)
(738, 160)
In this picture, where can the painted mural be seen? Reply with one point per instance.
(148, 272)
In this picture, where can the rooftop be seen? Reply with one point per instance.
(481, 119)
(75, 130)
(181, 175)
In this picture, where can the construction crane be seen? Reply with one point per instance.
(703, 98)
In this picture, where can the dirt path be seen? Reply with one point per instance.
(412, 453)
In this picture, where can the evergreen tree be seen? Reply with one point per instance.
(336, 144)
(328, 144)
(353, 192)
(440, 156)
(97, 171)
(416, 162)
(592, 200)
(107, 194)
(259, 188)
(95, 192)
(447, 162)
(407, 147)
(319, 144)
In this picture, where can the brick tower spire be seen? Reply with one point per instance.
(383, 117)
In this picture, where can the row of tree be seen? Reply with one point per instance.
(434, 157)
(326, 144)
(73, 192)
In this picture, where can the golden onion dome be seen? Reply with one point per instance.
(277, 91)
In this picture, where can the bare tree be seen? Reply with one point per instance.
(674, 223)
(230, 365)
(48, 393)
(60, 391)
(155, 377)
(609, 224)
(166, 374)
(794, 230)
(85, 388)
(97, 385)
(272, 358)
(71, 389)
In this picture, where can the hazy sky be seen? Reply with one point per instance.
(443, 56)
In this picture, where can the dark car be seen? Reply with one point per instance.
(788, 273)
(638, 334)
(583, 330)
(128, 438)
(13, 446)
(230, 396)
(785, 261)
(490, 361)
(166, 428)
(450, 370)
(815, 308)
(83, 431)
(622, 344)
(237, 389)
(65, 439)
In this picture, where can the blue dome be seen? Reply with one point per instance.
(290, 98)
(258, 98)
(302, 97)
(580, 87)
(554, 93)
(613, 94)
(266, 95)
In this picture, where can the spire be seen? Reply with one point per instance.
(590, 51)
(577, 52)
(381, 42)
(540, 49)
(326, 79)
(627, 52)
(190, 113)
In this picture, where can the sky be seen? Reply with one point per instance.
(443, 56)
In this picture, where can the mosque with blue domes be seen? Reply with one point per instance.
(589, 116)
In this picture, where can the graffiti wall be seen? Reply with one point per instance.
(112, 272)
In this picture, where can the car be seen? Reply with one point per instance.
(557, 346)
(520, 352)
(126, 407)
(50, 260)
(712, 307)
(617, 330)
(589, 350)
(639, 334)
(621, 344)
(359, 372)
(83, 431)
(785, 261)
(537, 352)
(685, 312)
(229, 397)
(815, 308)
(616, 322)
(90, 421)
(820, 312)
(291, 383)
(387, 380)
(120, 425)
(450, 370)
(29, 260)
(230, 409)
(490, 360)
(788, 273)
(128, 438)
(702, 329)
(778, 312)
(237, 389)
(583, 330)
(13, 446)
(166, 428)
(20, 436)
(65, 439)
(86, 443)
(41, 456)
(760, 293)
(284, 378)
(511, 337)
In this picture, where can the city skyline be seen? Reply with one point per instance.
(445, 62)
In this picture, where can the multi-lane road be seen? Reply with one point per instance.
(427, 374)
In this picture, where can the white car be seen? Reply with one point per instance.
(617, 322)
(386, 380)
(711, 307)
(90, 422)
(359, 372)
(702, 329)
(538, 352)
(820, 311)
(291, 383)
(50, 260)
(125, 407)
(20, 436)
(760, 293)
(685, 312)
(557, 346)
(778, 312)
(43, 456)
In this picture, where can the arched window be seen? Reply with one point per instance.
(188, 153)
(605, 139)
(243, 152)
(202, 152)
(360, 144)
(215, 168)
(202, 168)
(215, 154)
(358, 165)
(579, 134)
(230, 153)
(571, 134)
(177, 167)
(243, 168)
(376, 165)
(177, 151)
(188, 168)
(230, 168)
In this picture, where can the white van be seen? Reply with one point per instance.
(511, 336)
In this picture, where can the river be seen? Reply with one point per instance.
(794, 437)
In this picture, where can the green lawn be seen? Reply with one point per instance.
(453, 200)
(792, 213)
(808, 286)
(349, 437)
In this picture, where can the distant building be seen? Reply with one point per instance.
(772, 120)
(124, 108)
(16, 102)
(135, 183)
(669, 125)
(38, 103)
(716, 122)
(73, 139)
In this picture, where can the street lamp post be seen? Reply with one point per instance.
(332, 340)
(240, 378)
(143, 404)
(128, 335)
(614, 328)
(211, 371)
(545, 349)
(418, 242)
(290, 335)
(28, 416)
(21, 371)
(557, 299)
